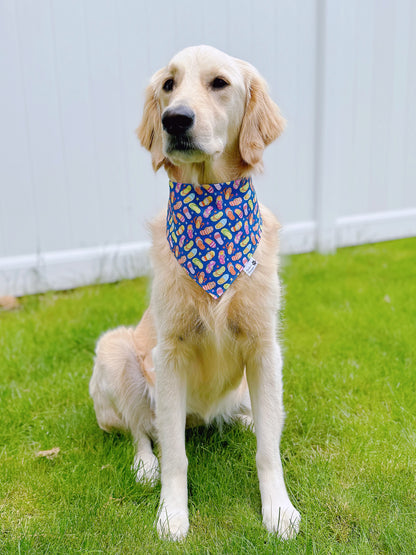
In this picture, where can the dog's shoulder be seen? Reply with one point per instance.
(268, 249)
(159, 246)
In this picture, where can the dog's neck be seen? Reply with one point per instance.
(227, 167)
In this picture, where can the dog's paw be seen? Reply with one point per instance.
(283, 520)
(173, 525)
(146, 469)
(246, 421)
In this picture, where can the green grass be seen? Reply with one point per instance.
(348, 449)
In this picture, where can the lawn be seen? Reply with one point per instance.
(348, 448)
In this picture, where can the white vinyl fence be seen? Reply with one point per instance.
(76, 188)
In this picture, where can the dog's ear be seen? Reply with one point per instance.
(149, 131)
(262, 122)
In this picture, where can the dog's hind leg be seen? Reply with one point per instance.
(122, 390)
(103, 387)
(243, 413)
(145, 464)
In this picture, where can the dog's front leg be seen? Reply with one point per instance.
(173, 520)
(265, 385)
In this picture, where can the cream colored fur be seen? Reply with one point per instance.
(193, 359)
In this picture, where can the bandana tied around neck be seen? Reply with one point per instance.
(213, 230)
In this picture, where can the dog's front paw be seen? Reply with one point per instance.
(172, 525)
(146, 469)
(283, 520)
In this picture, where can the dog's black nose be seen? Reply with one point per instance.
(177, 120)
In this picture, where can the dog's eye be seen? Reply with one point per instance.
(219, 83)
(168, 85)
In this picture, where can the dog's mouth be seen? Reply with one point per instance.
(181, 143)
(183, 148)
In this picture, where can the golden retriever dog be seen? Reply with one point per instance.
(203, 351)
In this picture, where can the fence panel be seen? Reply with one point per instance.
(76, 187)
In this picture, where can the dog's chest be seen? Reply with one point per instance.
(214, 370)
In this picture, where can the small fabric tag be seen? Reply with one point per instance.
(250, 266)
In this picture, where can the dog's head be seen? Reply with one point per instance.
(206, 105)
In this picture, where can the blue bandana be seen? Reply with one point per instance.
(213, 230)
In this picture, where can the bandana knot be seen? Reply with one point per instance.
(213, 230)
